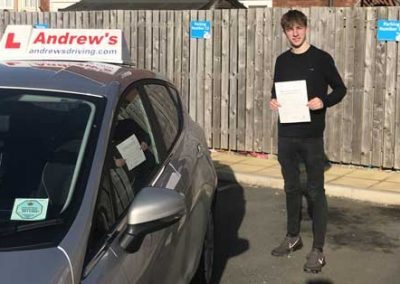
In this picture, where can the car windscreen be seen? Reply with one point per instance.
(44, 145)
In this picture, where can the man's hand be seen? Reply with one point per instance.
(274, 105)
(315, 104)
(144, 146)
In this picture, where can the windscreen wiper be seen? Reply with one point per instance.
(7, 230)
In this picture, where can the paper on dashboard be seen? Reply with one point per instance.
(292, 96)
(131, 152)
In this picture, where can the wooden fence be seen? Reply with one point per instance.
(226, 80)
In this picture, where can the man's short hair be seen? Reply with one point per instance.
(293, 17)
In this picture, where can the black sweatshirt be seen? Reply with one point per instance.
(318, 69)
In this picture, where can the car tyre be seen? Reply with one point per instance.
(205, 269)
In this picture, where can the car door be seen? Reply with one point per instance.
(181, 173)
(123, 177)
(171, 252)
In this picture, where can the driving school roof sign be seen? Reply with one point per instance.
(388, 30)
(23, 42)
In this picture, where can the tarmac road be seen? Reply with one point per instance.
(362, 246)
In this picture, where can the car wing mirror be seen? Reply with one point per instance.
(152, 209)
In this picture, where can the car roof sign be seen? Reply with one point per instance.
(24, 42)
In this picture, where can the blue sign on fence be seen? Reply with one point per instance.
(388, 30)
(200, 29)
(41, 26)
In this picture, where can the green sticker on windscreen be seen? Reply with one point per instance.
(29, 209)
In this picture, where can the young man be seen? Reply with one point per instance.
(304, 140)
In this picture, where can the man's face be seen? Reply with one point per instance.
(296, 34)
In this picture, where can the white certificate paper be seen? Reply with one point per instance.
(131, 152)
(292, 96)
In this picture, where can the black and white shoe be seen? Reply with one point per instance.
(315, 261)
(289, 244)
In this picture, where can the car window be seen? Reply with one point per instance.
(167, 111)
(132, 160)
(44, 138)
(132, 108)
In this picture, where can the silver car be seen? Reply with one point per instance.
(104, 178)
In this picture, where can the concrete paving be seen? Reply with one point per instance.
(364, 184)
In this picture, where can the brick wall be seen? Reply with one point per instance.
(44, 5)
(345, 3)
(309, 3)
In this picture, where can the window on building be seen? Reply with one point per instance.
(376, 3)
(6, 4)
(257, 3)
(29, 5)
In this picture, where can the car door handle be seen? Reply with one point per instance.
(200, 151)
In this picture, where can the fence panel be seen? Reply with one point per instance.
(185, 58)
(208, 91)
(333, 24)
(368, 88)
(233, 79)
(225, 54)
(200, 77)
(259, 100)
(178, 50)
(163, 44)
(250, 63)
(347, 105)
(390, 99)
(193, 77)
(216, 75)
(155, 46)
(241, 110)
(170, 30)
(141, 40)
(359, 70)
(378, 107)
(397, 118)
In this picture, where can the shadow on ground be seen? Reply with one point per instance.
(230, 210)
(361, 229)
(319, 281)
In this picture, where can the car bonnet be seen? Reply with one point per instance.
(48, 265)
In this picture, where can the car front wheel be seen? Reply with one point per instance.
(205, 268)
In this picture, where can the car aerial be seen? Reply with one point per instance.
(104, 177)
